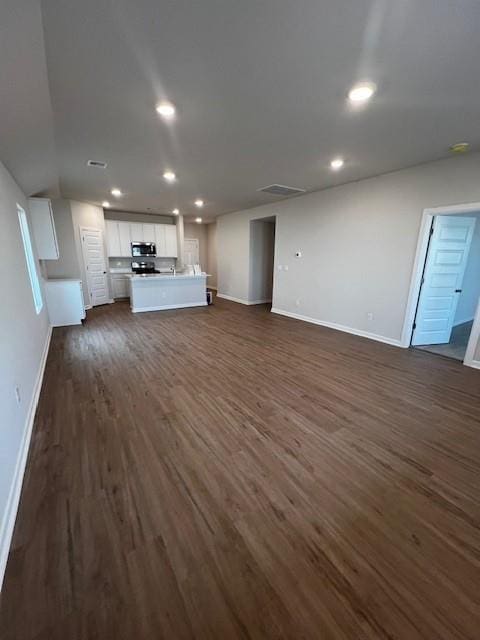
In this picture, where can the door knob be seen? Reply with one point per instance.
(458, 291)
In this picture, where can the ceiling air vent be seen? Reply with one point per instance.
(281, 190)
(98, 164)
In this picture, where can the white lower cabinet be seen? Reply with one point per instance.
(120, 285)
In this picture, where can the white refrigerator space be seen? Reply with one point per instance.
(64, 302)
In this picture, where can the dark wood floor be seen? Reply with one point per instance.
(226, 473)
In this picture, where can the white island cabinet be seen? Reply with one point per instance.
(156, 292)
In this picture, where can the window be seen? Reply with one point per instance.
(30, 258)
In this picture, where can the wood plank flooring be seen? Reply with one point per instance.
(223, 473)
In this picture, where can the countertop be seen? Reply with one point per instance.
(168, 276)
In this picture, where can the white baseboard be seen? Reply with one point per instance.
(170, 306)
(8, 524)
(459, 322)
(232, 298)
(88, 306)
(475, 364)
(340, 327)
(242, 300)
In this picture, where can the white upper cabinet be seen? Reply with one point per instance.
(43, 227)
(118, 239)
(136, 232)
(170, 240)
(160, 239)
(113, 238)
(125, 240)
(148, 233)
(121, 234)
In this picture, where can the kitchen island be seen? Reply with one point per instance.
(157, 292)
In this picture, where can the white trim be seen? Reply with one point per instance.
(8, 524)
(463, 321)
(473, 341)
(420, 257)
(339, 327)
(170, 306)
(475, 364)
(242, 301)
(88, 306)
(232, 298)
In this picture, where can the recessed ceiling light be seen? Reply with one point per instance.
(361, 92)
(337, 164)
(460, 147)
(199, 203)
(169, 176)
(175, 212)
(198, 220)
(105, 204)
(116, 192)
(166, 110)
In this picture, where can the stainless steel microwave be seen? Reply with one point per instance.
(140, 249)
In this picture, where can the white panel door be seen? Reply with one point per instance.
(148, 233)
(160, 240)
(171, 240)
(125, 240)
(136, 232)
(442, 279)
(191, 251)
(113, 239)
(95, 269)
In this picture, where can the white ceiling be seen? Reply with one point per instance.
(260, 88)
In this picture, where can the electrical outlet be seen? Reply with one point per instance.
(369, 315)
(297, 302)
(286, 267)
(17, 395)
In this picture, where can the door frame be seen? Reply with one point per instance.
(418, 267)
(87, 283)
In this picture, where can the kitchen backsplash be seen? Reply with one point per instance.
(125, 263)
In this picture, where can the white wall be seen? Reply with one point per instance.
(212, 254)
(22, 344)
(358, 243)
(467, 303)
(198, 231)
(262, 240)
(86, 215)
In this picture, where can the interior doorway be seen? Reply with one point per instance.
(262, 257)
(449, 289)
(95, 265)
(191, 251)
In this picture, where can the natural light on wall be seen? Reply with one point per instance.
(30, 258)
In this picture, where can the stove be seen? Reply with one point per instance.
(144, 267)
